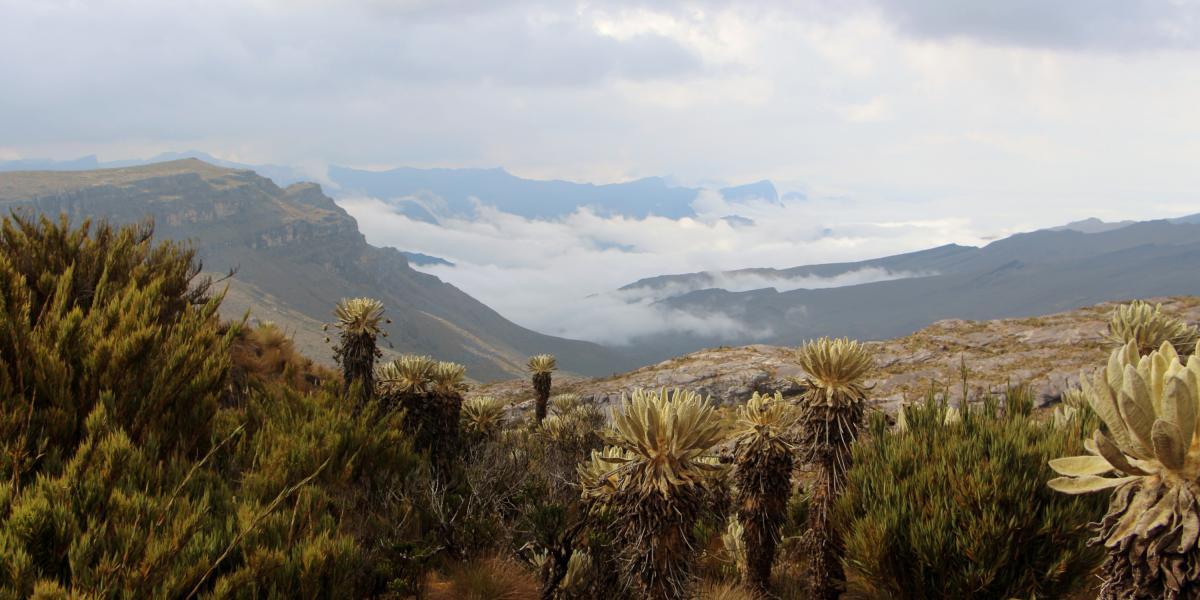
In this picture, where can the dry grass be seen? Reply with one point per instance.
(266, 353)
(492, 578)
(725, 591)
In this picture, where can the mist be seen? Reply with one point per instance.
(563, 276)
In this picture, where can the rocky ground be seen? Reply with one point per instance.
(1047, 353)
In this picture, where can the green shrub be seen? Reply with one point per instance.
(962, 510)
(126, 474)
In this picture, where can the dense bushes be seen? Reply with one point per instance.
(962, 510)
(133, 465)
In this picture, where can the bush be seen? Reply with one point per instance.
(125, 472)
(962, 510)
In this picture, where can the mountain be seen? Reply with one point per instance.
(281, 175)
(296, 253)
(1092, 225)
(425, 260)
(427, 193)
(1026, 274)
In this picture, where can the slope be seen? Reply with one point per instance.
(296, 253)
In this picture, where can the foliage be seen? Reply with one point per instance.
(557, 516)
(733, 546)
(492, 578)
(541, 366)
(429, 393)
(267, 352)
(1148, 327)
(125, 473)
(358, 320)
(1149, 407)
(483, 416)
(726, 591)
(662, 484)
(831, 415)
(762, 436)
(962, 510)
(542, 363)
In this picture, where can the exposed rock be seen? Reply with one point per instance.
(1046, 353)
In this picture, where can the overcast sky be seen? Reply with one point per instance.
(1074, 102)
(905, 123)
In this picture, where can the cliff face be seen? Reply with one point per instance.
(296, 253)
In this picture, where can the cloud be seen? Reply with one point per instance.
(745, 281)
(562, 276)
(1026, 113)
(1112, 25)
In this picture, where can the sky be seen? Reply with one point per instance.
(902, 124)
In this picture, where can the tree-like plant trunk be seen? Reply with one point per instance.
(828, 433)
(541, 388)
(357, 353)
(1137, 570)
(825, 572)
(764, 486)
(658, 546)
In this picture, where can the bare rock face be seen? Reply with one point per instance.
(1047, 353)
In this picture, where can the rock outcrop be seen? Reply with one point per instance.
(1046, 353)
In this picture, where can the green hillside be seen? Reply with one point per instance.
(296, 253)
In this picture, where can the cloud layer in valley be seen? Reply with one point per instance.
(563, 276)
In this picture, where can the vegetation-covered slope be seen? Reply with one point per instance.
(296, 253)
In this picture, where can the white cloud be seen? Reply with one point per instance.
(562, 276)
(744, 281)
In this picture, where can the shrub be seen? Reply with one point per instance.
(1148, 327)
(661, 487)
(1148, 405)
(124, 474)
(962, 510)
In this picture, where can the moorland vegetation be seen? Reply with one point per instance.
(150, 449)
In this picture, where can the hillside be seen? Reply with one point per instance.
(1023, 275)
(296, 253)
(1045, 352)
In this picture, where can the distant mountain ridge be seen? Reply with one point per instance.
(296, 253)
(427, 194)
(1023, 275)
(423, 194)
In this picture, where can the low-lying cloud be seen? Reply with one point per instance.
(745, 281)
(563, 276)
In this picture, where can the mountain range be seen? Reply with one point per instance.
(1023, 275)
(296, 253)
(429, 194)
